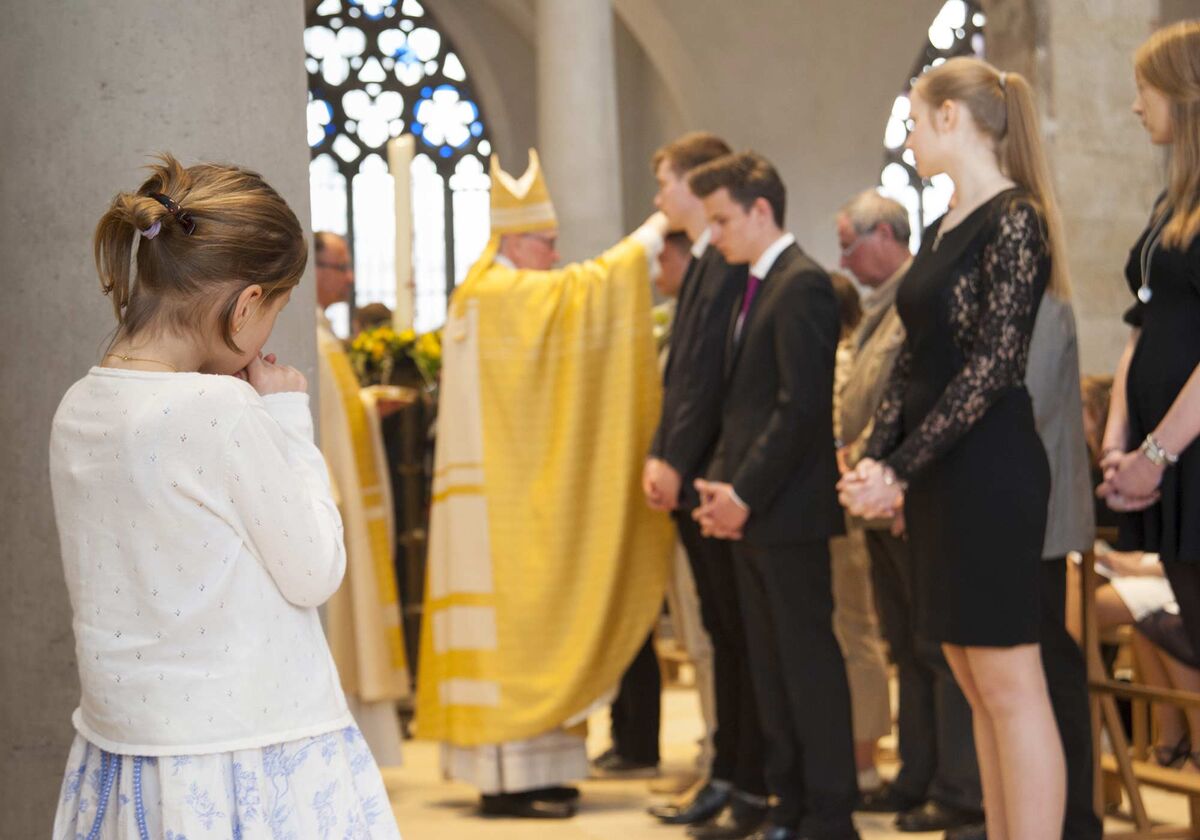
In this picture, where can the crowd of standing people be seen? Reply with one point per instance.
(947, 440)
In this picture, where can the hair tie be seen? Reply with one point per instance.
(182, 216)
(152, 231)
(1003, 81)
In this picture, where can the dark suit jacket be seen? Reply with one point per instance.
(776, 445)
(694, 379)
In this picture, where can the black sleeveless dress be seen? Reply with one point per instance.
(957, 424)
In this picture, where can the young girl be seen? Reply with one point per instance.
(198, 538)
(955, 431)
(1151, 465)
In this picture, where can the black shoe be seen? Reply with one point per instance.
(739, 819)
(605, 757)
(705, 805)
(524, 806)
(885, 800)
(934, 816)
(610, 765)
(775, 832)
(558, 793)
(974, 831)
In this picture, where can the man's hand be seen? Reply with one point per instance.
(660, 483)
(657, 221)
(843, 460)
(719, 515)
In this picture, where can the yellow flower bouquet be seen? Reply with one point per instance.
(381, 356)
(426, 351)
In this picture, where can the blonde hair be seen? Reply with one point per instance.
(1003, 108)
(241, 233)
(1169, 61)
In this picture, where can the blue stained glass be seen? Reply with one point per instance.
(422, 69)
(373, 8)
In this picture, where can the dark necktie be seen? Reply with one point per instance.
(752, 284)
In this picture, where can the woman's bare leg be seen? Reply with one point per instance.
(1012, 688)
(990, 778)
(1169, 722)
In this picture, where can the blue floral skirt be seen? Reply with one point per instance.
(325, 787)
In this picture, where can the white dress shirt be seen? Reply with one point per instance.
(766, 260)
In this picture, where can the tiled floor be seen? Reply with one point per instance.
(428, 808)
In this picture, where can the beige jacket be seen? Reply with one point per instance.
(876, 344)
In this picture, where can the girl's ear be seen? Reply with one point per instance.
(248, 301)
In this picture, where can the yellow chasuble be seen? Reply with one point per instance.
(546, 568)
(363, 617)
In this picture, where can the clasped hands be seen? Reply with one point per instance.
(718, 514)
(865, 492)
(1130, 480)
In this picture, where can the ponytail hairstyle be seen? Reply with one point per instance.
(1003, 108)
(1169, 61)
(203, 235)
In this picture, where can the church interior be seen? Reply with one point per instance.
(377, 122)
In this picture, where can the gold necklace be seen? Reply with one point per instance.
(125, 358)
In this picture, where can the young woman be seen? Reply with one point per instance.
(1151, 468)
(955, 439)
(198, 538)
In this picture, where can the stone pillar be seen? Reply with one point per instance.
(1078, 55)
(577, 122)
(91, 89)
(1107, 171)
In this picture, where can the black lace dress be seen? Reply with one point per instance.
(957, 424)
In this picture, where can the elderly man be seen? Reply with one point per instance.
(546, 569)
(938, 784)
(363, 617)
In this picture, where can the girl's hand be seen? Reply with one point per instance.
(267, 377)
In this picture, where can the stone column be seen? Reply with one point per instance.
(577, 122)
(1078, 55)
(91, 89)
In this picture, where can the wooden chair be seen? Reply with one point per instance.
(1130, 766)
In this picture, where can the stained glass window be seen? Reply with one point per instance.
(378, 69)
(957, 30)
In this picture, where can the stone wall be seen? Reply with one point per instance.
(91, 89)
(1078, 54)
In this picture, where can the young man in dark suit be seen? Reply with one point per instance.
(732, 803)
(770, 491)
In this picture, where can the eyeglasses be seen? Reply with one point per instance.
(858, 240)
(342, 267)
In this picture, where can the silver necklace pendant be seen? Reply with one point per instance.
(1144, 294)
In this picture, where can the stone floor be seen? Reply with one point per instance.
(428, 808)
